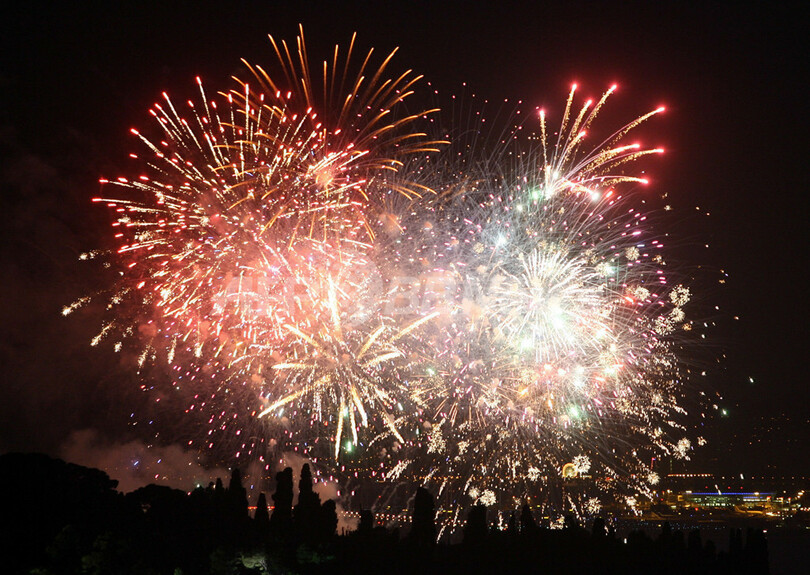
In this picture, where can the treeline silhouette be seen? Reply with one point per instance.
(60, 518)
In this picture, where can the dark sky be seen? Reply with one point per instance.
(74, 79)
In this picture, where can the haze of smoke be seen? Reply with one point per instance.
(135, 464)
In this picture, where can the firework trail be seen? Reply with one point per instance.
(235, 238)
(561, 347)
(498, 324)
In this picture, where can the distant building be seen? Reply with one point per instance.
(744, 502)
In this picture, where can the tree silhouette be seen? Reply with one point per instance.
(237, 495)
(328, 520)
(571, 522)
(511, 526)
(366, 522)
(281, 519)
(66, 519)
(261, 517)
(755, 552)
(42, 497)
(527, 523)
(423, 528)
(598, 528)
(306, 514)
(475, 532)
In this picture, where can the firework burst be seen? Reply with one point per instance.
(505, 320)
(562, 348)
(248, 235)
(241, 193)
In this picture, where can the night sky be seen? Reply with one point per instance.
(75, 79)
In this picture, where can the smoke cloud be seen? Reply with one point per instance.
(135, 464)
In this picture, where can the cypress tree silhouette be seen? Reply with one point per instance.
(306, 513)
(366, 522)
(527, 524)
(475, 532)
(423, 529)
(571, 522)
(694, 544)
(221, 513)
(237, 508)
(598, 530)
(261, 517)
(237, 496)
(755, 552)
(281, 519)
(511, 526)
(665, 538)
(328, 520)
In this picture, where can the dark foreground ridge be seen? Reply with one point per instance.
(61, 518)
